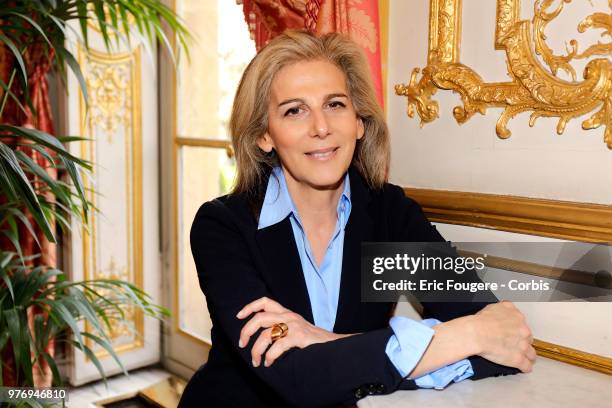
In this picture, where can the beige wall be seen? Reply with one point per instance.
(534, 162)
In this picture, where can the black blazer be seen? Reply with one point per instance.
(237, 264)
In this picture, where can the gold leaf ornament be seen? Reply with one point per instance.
(534, 87)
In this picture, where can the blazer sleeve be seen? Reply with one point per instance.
(415, 227)
(332, 373)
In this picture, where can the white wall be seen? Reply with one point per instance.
(534, 162)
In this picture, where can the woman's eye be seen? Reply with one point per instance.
(292, 111)
(336, 104)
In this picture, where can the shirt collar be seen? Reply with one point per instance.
(277, 204)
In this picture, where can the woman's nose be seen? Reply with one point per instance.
(320, 126)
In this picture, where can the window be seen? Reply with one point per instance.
(204, 169)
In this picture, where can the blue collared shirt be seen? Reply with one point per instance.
(410, 337)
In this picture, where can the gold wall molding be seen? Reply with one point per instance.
(114, 118)
(536, 269)
(573, 356)
(535, 87)
(551, 218)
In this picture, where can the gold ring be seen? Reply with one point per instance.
(279, 330)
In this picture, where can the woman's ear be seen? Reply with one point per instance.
(360, 128)
(265, 143)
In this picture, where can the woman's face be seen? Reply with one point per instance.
(312, 124)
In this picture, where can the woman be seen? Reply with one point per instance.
(278, 258)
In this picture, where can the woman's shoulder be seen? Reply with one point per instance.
(409, 221)
(386, 202)
(228, 209)
(393, 197)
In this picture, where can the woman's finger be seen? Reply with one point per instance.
(531, 354)
(260, 346)
(261, 319)
(277, 349)
(525, 366)
(263, 303)
(521, 362)
(249, 308)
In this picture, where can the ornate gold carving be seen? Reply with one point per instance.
(113, 84)
(507, 16)
(445, 31)
(534, 88)
(110, 96)
(119, 327)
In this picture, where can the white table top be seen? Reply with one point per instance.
(550, 384)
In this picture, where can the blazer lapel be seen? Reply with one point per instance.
(284, 275)
(283, 272)
(358, 229)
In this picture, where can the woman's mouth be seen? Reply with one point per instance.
(323, 154)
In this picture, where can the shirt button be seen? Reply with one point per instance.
(372, 389)
(381, 388)
(359, 393)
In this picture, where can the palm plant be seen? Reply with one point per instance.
(65, 304)
(35, 33)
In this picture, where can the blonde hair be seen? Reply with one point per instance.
(249, 119)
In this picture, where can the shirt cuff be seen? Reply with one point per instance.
(408, 343)
(441, 377)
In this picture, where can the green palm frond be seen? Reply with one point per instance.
(34, 199)
(47, 26)
(67, 304)
(48, 23)
(17, 174)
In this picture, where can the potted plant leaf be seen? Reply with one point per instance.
(41, 186)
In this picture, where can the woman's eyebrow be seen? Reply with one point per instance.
(290, 101)
(336, 95)
(327, 97)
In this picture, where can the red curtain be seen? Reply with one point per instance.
(357, 18)
(38, 64)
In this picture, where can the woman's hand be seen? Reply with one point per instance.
(268, 313)
(503, 336)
